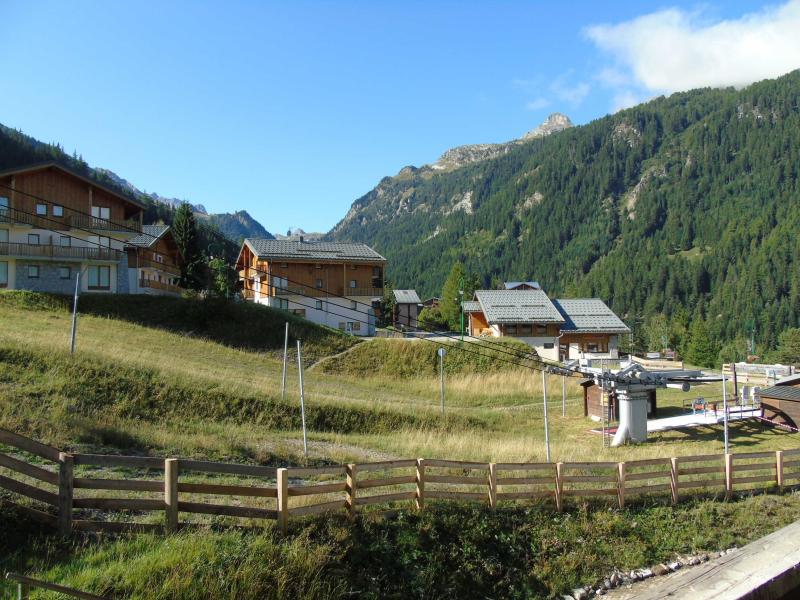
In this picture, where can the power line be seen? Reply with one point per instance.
(549, 367)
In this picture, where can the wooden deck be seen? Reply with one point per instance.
(768, 568)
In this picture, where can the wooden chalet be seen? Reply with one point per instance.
(153, 262)
(780, 403)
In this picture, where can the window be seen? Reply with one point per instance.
(596, 346)
(317, 266)
(283, 303)
(284, 265)
(541, 329)
(99, 278)
(3, 274)
(300, 312)
(353, 304)
(524, 329)
(318, 304)
(65, 241)
(41, 210)
(58, 211)
(549, 345)
(64, 273)
(101, 212)
(356, 326)
(33, 271)
(353, 284)
(511, 330)
(353, 267)
(33, 239)
(318, 283)
(3, 204)
(3, 236)
(341, 325)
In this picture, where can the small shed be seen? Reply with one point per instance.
(780, 403)
(594, 405)
(406, 308)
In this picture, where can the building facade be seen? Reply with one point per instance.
(153, 266)
(56, 224)
(406, 308)
(559, 330)
(335, 284)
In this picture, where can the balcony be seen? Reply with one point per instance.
(12, 215)
(170, 268)
(368, 291)
(51, 252)
(160, 286)
(300, 290)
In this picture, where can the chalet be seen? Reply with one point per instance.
(562, 329)
(780, 403)
(56, 224)
(330, 283)
(406, 308)
(526, 314)
(590, 330)
(522, 285)
(153, 262)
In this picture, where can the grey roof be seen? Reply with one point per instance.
(406, 297)
(149, 236)
(510, 285)
(312, 250)
(471, 306)
(517, 306)
(781, 392)
(589, 315)
(790, 380)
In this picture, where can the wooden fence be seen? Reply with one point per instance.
(79, 496)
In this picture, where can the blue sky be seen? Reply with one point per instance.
(293, 110)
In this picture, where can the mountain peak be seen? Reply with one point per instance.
(554, 122)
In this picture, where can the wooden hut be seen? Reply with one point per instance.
(780, 403)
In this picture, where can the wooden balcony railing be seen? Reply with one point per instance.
(299, 290)
(12, 215)
(160, 285)
(170, 268)
(59, 252)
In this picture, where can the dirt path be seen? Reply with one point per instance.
(327, 358)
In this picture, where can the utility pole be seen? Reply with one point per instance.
(285, 354)
(546, 428)
(563, 395)
(461, 304)
(75, 313)
(441, 352)
(302, 399)
(725, 409)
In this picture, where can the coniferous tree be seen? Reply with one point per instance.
(184, 229)
(701, 350)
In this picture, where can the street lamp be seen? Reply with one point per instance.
(461, 304)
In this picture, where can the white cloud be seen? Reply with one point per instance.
(573, 93)
(673, 50)
(537, 104)
(625, 99)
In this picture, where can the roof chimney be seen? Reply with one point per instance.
(301, 239)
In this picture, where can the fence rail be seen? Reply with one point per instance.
(171, 488)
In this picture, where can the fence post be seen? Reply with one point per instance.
(420, 496)
(559, 483)
(351, 490)
(674, 479)
(283, 500)
(728, 475)
(492, 486)
(779, 468)
(23, 591)
(66, 468)
(621, 484)
(171, 494)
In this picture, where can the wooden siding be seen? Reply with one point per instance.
(61, 188)
(334, 277)
(785, 412)
(478, 324)
(145, 257)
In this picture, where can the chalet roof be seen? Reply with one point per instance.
(51, 164)
(406, 297)
(312, 250)
(149, 236)
(790, 380)
(589, 315)
(471, 306)
(781, 392)
(512, 285)
(517, 306)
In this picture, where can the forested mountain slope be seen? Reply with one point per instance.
(687, 205)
